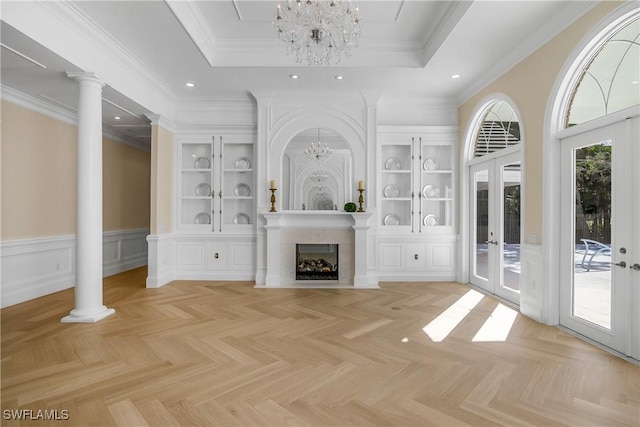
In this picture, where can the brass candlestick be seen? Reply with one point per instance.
(273, 200)
(361, 200)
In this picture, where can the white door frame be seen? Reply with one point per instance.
(554, 129)
(466, 160)
(493, 163)
(619, 336)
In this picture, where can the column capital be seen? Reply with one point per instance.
(81, 76)
(162, 121)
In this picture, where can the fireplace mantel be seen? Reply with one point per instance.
(316, 227)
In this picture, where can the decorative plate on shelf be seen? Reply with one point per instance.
(391, 191)
(202, 218)
(203, 190)
(242, 163)
(430, 165)
(430, 220)
(392, 164)
(202, 163)
(242, 190)
(241, 218)
(430, 191)
(391, 219)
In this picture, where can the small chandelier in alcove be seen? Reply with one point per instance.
(318, 152)
(318, 178)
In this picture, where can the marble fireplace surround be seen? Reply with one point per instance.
(348, 230)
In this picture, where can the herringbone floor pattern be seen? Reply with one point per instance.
(226, 354)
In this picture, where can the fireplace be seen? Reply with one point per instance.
(318, 261)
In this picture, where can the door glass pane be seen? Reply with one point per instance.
(511, 180)
(592, 236)
(481, 264)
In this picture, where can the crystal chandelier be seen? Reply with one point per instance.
(317, 152)
(318, 178)
(320, 30)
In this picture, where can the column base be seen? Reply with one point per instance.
(362, 282)
(88, 318)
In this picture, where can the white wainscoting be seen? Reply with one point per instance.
(161, 260)
(531, 286)
(32, 268)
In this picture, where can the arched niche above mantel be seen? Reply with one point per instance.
(300, 189)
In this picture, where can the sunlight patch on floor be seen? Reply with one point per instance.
(440, 327)
(497, 326)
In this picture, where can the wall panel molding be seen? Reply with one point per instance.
(32, 268)
(531, 286)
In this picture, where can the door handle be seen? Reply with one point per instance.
(493, 242)
(635, 267)
(620, 264)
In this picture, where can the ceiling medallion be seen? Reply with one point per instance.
(320, 31)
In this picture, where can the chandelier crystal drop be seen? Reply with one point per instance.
(319, 31)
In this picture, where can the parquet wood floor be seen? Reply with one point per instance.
(227, 354)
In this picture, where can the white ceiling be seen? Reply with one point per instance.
(228, 47)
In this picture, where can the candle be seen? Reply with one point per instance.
(360, 185)
(273, 184)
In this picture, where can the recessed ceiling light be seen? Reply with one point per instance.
(190, 84)
(339, 77)
(455, 76)
(293, 76)
(117, 117)
(635, 82)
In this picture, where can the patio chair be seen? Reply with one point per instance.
(591, 249)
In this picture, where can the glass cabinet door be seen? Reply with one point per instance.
(396, 185)
(196, 185)
(436, 187)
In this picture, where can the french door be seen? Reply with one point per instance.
(600, 235)
(495, 224)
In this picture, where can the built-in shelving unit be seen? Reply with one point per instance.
(215, 209)
(416, 202)
(217, 184)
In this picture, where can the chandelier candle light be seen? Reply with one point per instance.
(319, 30)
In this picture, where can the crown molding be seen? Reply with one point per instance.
(192, 20)
(55, 111)
(135, 143)
(62, 113)
(546, 33)
(119, 59)
(407, 99)
(455, 11)
(161, 121)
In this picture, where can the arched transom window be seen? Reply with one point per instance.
(610, 82)
(500, 129)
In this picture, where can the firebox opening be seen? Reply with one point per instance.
(316, 261)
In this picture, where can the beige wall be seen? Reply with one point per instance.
(529, 85)
(126, 177)
(39, 185)
(38, 174)
(161, 180)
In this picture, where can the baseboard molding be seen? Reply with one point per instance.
(416, 277)
(32, 268)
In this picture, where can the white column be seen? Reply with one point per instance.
(88, 290)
